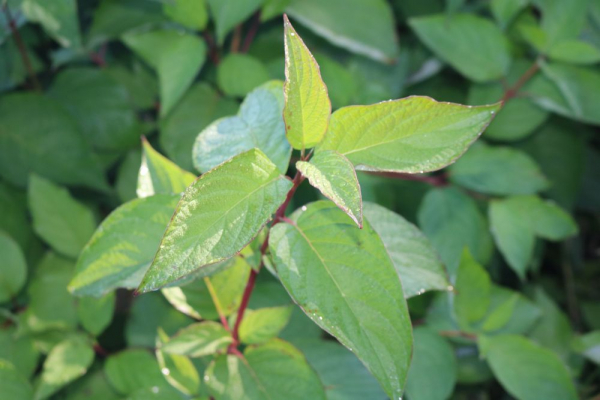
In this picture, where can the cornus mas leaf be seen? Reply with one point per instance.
(307, 104)
(217, 216)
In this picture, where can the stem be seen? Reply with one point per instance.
(22, 49)
(434, 180)
(242, 309)
(216, 302)
(251, 32)
(569, 281)
(236, 39)
(512, 91)
(213, 52)
(464, 335)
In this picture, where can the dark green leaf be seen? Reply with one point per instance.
(131, 370)
(13, 268)
(228, 13)
(189, 13)
(13, 384)
(95, 314)
(238, 74)
(473, 288)
(58, 18)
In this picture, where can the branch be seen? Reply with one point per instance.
(251, 32)
(434, 180)
(213, 52)
(236, 39)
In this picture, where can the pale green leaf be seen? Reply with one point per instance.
(66, 362)
(189, 13)
(229, 13)
(526, 370)
(95, 314)
(270, 371)
(13, 384)
(259, 123)
(414, 257)
(366, 27)
(433, 370)
(238, 74)
(508, 312)
(473, 288)
(200, 106)
(159, 175)
(498, 171)
(59, 219)
(561, 20)
(13, 268)
(344, 280)
(198, 340)
(131, 370)
(589, 346)
(176, 57)
(414, 134)
(260, 326)
(307, 105)
(334, 176)
(58, 18)
(50, 144)
(473, 45)
(575, 52)
(178, 370)
(217, 216)
(122, 248)
(506, 10)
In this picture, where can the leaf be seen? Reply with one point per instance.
(508, 312)
(50, 144)
(415, 134)
(140, 82)
(433, 370)
(505, 11)
(176, 58)
(59, 219)
(561, 20)
(198, 340)
(516, 221)
(131, 370)
(14, 219)
(259, 123)
(159, 175)
(58, 18)
(473, 290)
(260, 326)
(526, 370)
(365, 27)
(307, 105)
(334, 176)
(498, 171)
(344, 280)
(411, 252)
(273, 370)
(18, 350)
(199, 106)
(238, 74)
(178, 370)
(238, 197)
(452, 221)
(229, 13)
(455, 38)
(589, 346)
(66, 362)
(123, 246)
(95, 314)
(13, 268)
(568, 90)
(342, 87)
(575, 52)
(103, 110)
(189, 13)
(13, 384)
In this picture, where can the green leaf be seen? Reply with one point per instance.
(140, 82)
(159, 175)
(50, 144)
(270, 371)
(326, 262)
(334, 176)
(13, 268)
(58, 218)
(415, 134)
(58, 18)
(568, 90)
(131, 370)
(260, 326)
(66, 362)
(19, 350)
(178, 370)
(342, 87)
(13, 384)
(473, 288)
(506, 10)
(575, 52)
(414, 257)
(123, 246)
(516, 221)
(229, 13)
(498, 171)
(198, 340)
(238, 74)
(200, 105)
(103, 110)
(176, 58)
(14, 219)
(452, 221)
(473, 45)
(562, 20)
(259, 123)
(526, 370)
(237, 196)
(96, 314)
(307, 105)
(589, 346)
(508, 312)
(433, 371)
(553, 330)
(189, 13)
(366, 27)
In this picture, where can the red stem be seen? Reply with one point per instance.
(512, 91)
(213, 52)
(434, 180)
(236, 39)
(22, 49)
(251, 33)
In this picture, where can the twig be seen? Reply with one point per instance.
(512, 91)
(236, 39)
(251, 32)
(213, 52)
(434, 180)
(243, 305)
(22, 49)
